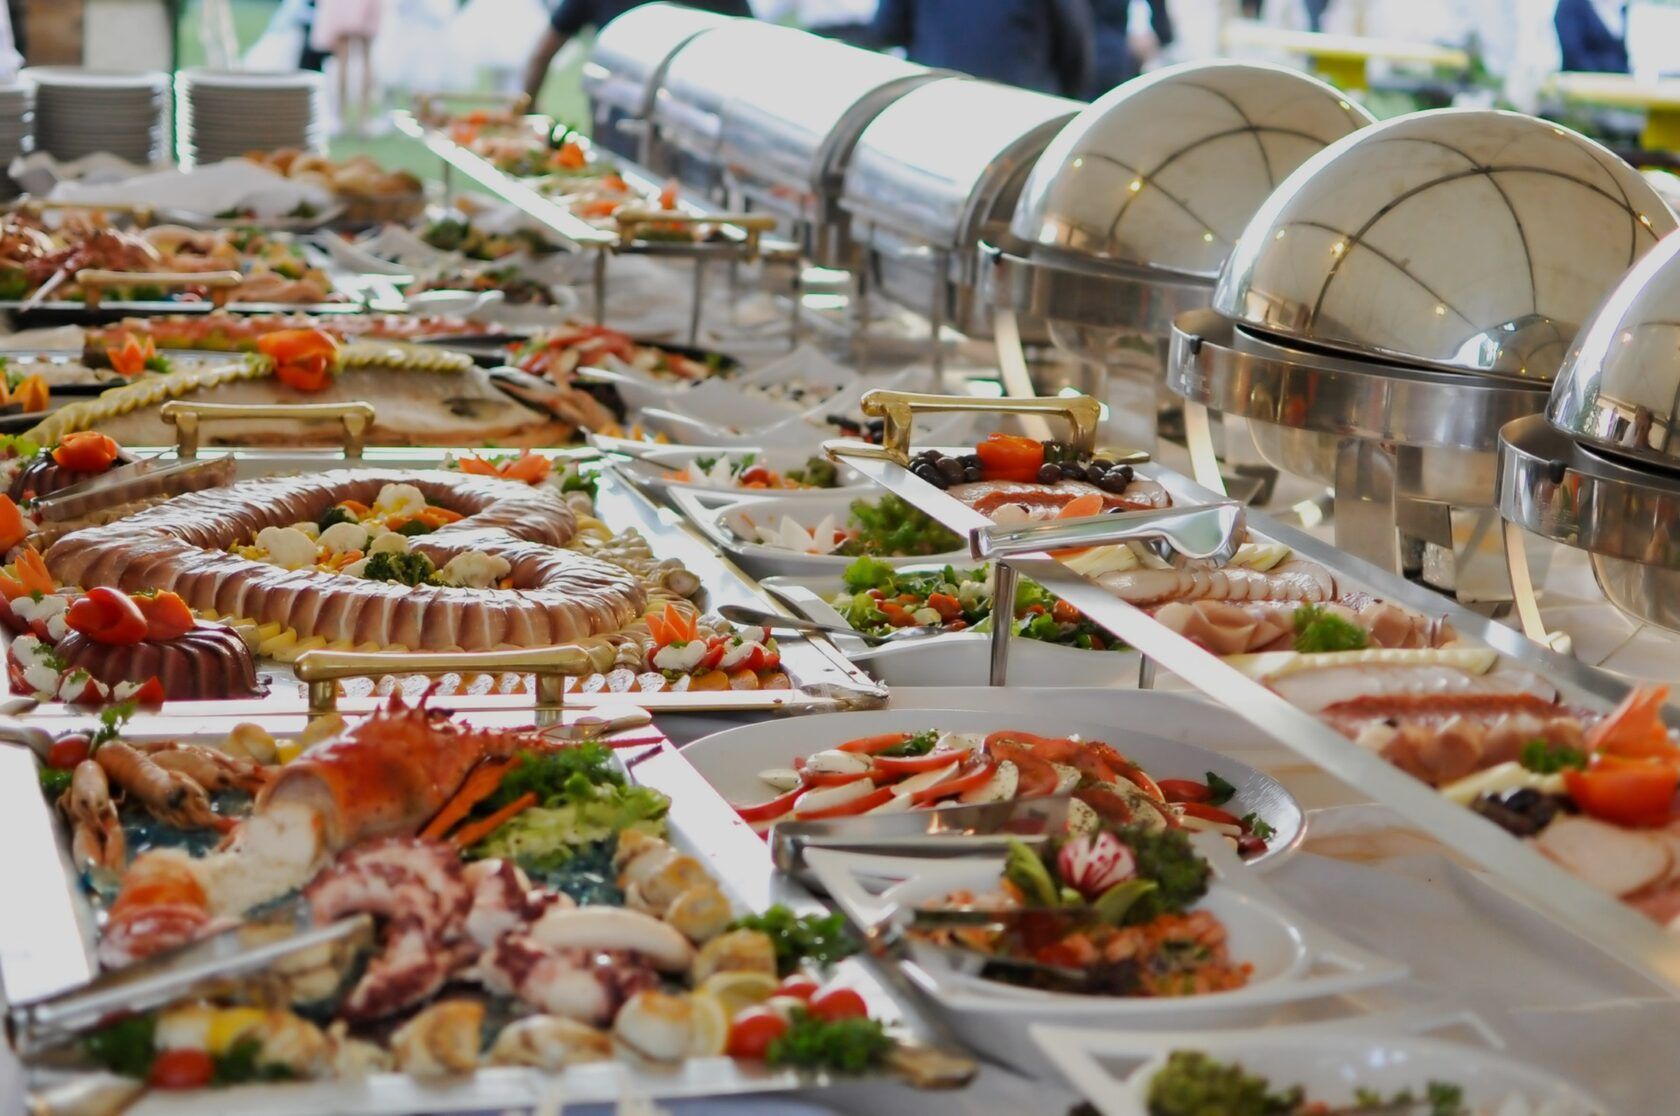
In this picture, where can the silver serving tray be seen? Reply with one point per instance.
(822, 677)
(1621, 931)
(47, 940)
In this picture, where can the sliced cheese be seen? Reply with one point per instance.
(1499, 779)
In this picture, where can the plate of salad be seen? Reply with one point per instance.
(782, 471)
(1056, 645)
(1308, 1070)
(769, 535)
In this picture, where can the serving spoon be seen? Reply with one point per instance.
(740, 614)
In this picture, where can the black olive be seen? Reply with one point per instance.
(928, 472)
(970, 460)
(1094, 474)
(1071, 471)
(1049, 473)
(1112, 482)
(1125, 472)
(972, 473)
(1103, 463)
(951, 469)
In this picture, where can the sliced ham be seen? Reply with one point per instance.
(1295, 580)
(1616, 861)
(1242, 627)
(1043, 501)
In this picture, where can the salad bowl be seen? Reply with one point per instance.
(961, 658)
(1116, 1070)
(769, 535)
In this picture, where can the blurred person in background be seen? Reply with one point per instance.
(573, 16)
(1592, 35)
(847, 20)
(346, 30)
(1117, 57)
(1045, 45)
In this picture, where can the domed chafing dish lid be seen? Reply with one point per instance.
(1465, 240)
(629, 54)
(1164, 171)
(1619, 388)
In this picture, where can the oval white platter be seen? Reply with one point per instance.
(731, 760)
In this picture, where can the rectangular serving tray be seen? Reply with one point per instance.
(822, 677)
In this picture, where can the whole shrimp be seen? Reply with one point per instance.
(169, 796)
(210, 768)
(98, 842)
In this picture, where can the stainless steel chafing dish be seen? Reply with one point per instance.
(1133, 208)
(626, 67)
(702, 78)
(1400, 298)
(787, 154)
(935, 173)
(1602, 471)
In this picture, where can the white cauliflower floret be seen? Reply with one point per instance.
(474, 570)
(307, 528)
(389, 542)
(287, 547)
(400, 499)
(341, 537)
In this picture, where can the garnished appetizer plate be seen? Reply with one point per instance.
(780, 471)
(929, 758)
(1058, 646)
(803, 535)
(1336, 1069)
(1115, 927)
(541, 914)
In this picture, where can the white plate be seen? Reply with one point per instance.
(731, 760)
(1113, 1070)
(723, 518)
(652, 468)
(1295, 960)
(958, 658)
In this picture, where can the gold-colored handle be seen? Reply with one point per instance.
(428, 106)
(321, 671)
(752, 225)
(93, 282)
(186, 415)
(898, 409)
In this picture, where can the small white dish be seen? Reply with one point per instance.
(957, 658)
(1294, 959)
(731, 520)
(1113, 1070)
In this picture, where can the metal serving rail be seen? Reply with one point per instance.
(740, 236)
(1619, 930)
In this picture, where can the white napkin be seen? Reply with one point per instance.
(232, 184)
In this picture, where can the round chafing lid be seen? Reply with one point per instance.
(1164, 171)
(1468, 240)
(630, 50)
(711, 70)
(1619, 387)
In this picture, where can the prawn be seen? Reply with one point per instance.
(210, 768)
(98, 842)
(170, 796)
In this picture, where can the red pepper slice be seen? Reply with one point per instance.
(107, 615)
(1625, 792)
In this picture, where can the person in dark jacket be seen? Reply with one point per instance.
(1036, 44)
(1586, 41)
(1115, 61)
(572, 16)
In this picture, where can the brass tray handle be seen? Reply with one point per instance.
(898, 410)
(429, 106)
(752, 225)
(322, 670)
(186, 415)
(94, 281)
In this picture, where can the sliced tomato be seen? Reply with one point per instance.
(963, 781)
(752, 1032)
(860, 804)
(799, 986)
(1184, 790)
(1210, 813)
(833, 1003)
(1036, 778)
(912, 765)
(1625, 792)
(182, 1069)
(869, 745)
(67, 751)
(777, 807)
(150, 693)
(712, 657)
(832, 778)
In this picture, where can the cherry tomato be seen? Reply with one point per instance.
(756, 475)
(67, 751)
(150, 693)
(107, 615)
(752, 1032)
(182, 1069)
(799, 986)
(832, 1003)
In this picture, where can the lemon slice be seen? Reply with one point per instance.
(737, 991)
(709, 1026)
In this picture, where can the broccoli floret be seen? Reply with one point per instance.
(411, 568)
(336, 514)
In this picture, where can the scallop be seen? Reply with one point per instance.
(656, 1024)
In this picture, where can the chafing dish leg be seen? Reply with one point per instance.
(936, 318)
(699, 302)
(600, 282)
(796, 314)
(1365, 506)
(1524, 597)
(1003, 589)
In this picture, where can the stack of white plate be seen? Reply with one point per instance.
(17, 119)
(221, 114)
(79, 112)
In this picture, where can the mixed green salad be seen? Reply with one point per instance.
(878, 598)
(1193, 1084)
(890, 528)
